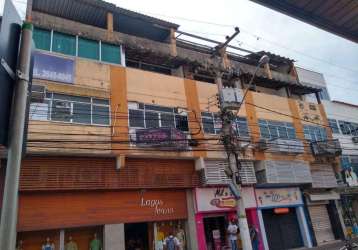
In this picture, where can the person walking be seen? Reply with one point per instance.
(171, 242)
(232, 231)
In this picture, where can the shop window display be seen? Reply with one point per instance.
(163, 232)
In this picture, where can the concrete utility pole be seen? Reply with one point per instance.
(16, 134)
(233, 166)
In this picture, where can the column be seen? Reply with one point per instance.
(190, 226)
(306, 237)
(113, 236)
(262, 229)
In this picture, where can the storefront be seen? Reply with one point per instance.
(323, 215)
(131, 219)
(282, 220)
(214, 208)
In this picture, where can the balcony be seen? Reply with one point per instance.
(214, 173)
(279, 145)
(283, 172)
(323, 176)
(326, 148)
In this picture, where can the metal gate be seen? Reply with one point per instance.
(321, 223)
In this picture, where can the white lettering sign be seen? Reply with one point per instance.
(157, 205)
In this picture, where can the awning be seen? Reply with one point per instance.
(322, 196)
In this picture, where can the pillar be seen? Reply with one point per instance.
(190, 224)
(109, 22)
(305, 233)
(113, 236)
(262, 229)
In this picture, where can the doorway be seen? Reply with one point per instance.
(282, 230)
(215, 226)
(136, 236)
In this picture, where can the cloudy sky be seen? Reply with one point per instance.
(263, 29)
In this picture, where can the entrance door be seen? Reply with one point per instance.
(214, 225)
(321, 223)
(282, 230)
(136, 236)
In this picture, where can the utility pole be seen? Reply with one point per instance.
(16, 135)
(227, 118)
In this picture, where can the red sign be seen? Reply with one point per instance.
(281, 210)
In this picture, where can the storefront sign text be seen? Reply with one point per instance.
(277, 197)
(157, 205)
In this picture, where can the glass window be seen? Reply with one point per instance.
(167, 120)
(100, 101)
(100, 115)
(242, 127)
(42, 38)
(274, 129)
(181, 122)
(110, 53)
(344, 127)
(208, 125)
(63, 43)
(81, 112)
(61, 111)
(88, 48)
(314, 133)
(333, 125)
(136, 118)
(151, 119)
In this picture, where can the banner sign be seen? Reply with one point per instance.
(278, 197)
(53, 68)
(161, 137)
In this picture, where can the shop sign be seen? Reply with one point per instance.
(214, 199)
(161, 137)
(158, 206)
(53, 68)
(278, 197)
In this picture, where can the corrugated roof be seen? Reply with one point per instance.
(339, 17)
(92, 12)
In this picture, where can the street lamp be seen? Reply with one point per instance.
(263, 60)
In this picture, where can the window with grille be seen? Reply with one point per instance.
(333, 125)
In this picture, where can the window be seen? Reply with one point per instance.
(333, 125)
(63, 43)
(110, 53)
(88, 48)
(274, 129)
(42, 39)
(76, 46)
(154, 116)
(348, 128)
(72, 109)
(211, 123)
(314, 133)
(323, 94)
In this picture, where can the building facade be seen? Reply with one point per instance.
(124, 139)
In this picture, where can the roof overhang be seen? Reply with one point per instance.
(339, 17)
(94, 12)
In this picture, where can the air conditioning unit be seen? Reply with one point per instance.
(38, 93)
(355, 139)
(232, 97)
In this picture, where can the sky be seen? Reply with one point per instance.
(263, 29)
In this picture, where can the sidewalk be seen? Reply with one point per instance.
(331, 246)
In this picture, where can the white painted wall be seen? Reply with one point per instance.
(345, 112)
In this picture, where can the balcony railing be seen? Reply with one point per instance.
(326, 148)
(279, 145)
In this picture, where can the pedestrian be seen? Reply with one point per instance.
(254, 237)
(233, 231)
(171, 242)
